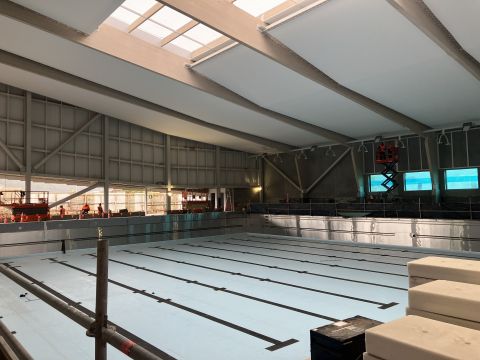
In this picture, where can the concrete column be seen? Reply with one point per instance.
(106, 164)
(217, 177)
(432, 158)
(168, 172)
(146, 200)
(261, 179)
(357, 163)
(28, 145)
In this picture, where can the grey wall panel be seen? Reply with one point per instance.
(474, 147)
(137, 155)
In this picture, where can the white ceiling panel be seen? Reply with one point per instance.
(122, 110)
(85, 15)
(373, 49)
(275, 87)
(461, 18)
(142, 83)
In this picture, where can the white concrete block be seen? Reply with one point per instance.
(449, 298)
(443, 318)
(439, 268)
(417, 338)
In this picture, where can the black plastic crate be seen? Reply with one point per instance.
(343, 340)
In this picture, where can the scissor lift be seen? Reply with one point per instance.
(26, 208)
(388, 155)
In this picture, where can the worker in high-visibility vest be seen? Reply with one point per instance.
(85, 209)
(62, 212)
(100, 210)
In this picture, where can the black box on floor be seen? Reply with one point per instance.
(343, 340)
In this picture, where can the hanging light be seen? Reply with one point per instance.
(362, 148)
(443, 139)
(330, 152)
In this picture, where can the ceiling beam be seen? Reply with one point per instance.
(244, 28)
(61, 76)
(145, 16)
(123, 46)
(178, 33)
(418, 13)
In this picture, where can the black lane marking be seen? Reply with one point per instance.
(322, 248)
(90, 313)
(278, 344)
(426, 253)
(380, 304)
(266, 266)
(223, 289)
(306, 253)
(297, 260)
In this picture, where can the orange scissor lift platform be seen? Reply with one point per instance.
(26, 208)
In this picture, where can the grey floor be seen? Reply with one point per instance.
(241, 296)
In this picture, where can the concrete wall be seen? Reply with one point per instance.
(458, 235)
(29, 238)
(39, 237)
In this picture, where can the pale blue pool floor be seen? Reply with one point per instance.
(237, 295)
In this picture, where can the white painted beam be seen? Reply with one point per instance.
(128, 48)
(244, 28)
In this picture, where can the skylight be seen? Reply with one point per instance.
(124, 16)
(202, 34)
(257, 7)
(163, 26)
(154, 29)
(185, 43)
(170, 18)
(139, 6)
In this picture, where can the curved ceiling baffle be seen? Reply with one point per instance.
(77, 88)
(242, 27)
(182, 90)
(461, 22)
(373, 49)
(461, 19)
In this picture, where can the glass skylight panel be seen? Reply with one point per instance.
(257, 7)
(139, 6)
(154, 29)
(170, 18)
(124, 16)
(186, 44)
(203, 34)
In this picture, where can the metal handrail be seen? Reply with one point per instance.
(12, 349)
(379, 209)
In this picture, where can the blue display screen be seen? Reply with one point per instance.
(376, 183)
(461, 179)
(417, 181)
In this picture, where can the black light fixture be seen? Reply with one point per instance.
(467, 126)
